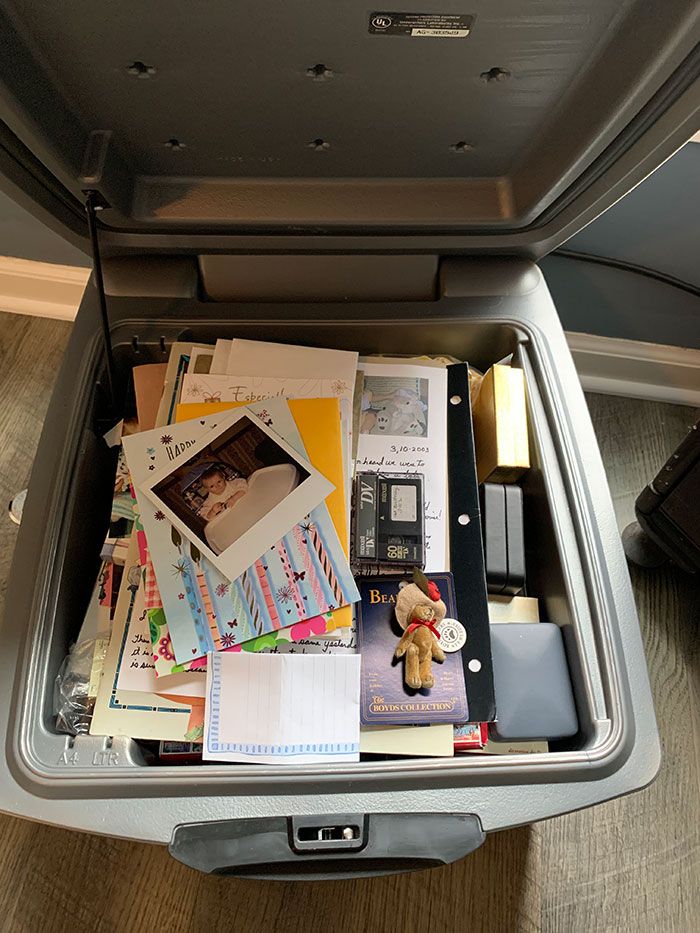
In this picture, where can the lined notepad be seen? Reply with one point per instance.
(282, 709)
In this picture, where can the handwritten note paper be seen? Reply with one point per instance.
(281, 709)
(137, 672)
(403, 429)
(136, 713)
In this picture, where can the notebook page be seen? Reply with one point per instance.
(286, 709)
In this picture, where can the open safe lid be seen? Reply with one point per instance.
(481, 126)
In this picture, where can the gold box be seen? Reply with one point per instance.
(500, 426)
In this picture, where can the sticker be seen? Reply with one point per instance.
(453, 635)
(430, 25)
(403, 503)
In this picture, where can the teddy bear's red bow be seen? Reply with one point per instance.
(416, 623)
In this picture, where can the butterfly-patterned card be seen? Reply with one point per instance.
(310, 637)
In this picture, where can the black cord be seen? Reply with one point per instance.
(93, 203)
(626, 266)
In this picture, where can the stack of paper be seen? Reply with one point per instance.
(234, 624)
(241, 539)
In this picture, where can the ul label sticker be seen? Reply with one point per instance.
(421, 25)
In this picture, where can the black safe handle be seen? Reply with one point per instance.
(343, 845)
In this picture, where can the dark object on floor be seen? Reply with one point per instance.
(668, 512)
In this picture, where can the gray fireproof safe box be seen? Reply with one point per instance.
(310, 172)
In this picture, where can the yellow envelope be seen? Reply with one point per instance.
(318, 420)
(435, 740)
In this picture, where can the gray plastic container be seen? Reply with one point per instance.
(375, 250)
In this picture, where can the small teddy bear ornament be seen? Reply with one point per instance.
(419, 610)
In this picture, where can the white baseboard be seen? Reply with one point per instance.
(604, 364)
(45, 289)
(636, 369)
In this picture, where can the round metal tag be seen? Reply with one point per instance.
(453, 635)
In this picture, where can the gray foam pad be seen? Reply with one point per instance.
(534, 699)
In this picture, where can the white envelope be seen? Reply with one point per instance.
(220, 357)
(253, 357)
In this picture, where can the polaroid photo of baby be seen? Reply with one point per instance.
(236, 491)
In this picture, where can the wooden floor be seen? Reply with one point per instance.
(632, 864)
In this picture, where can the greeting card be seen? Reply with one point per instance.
(135, 713)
